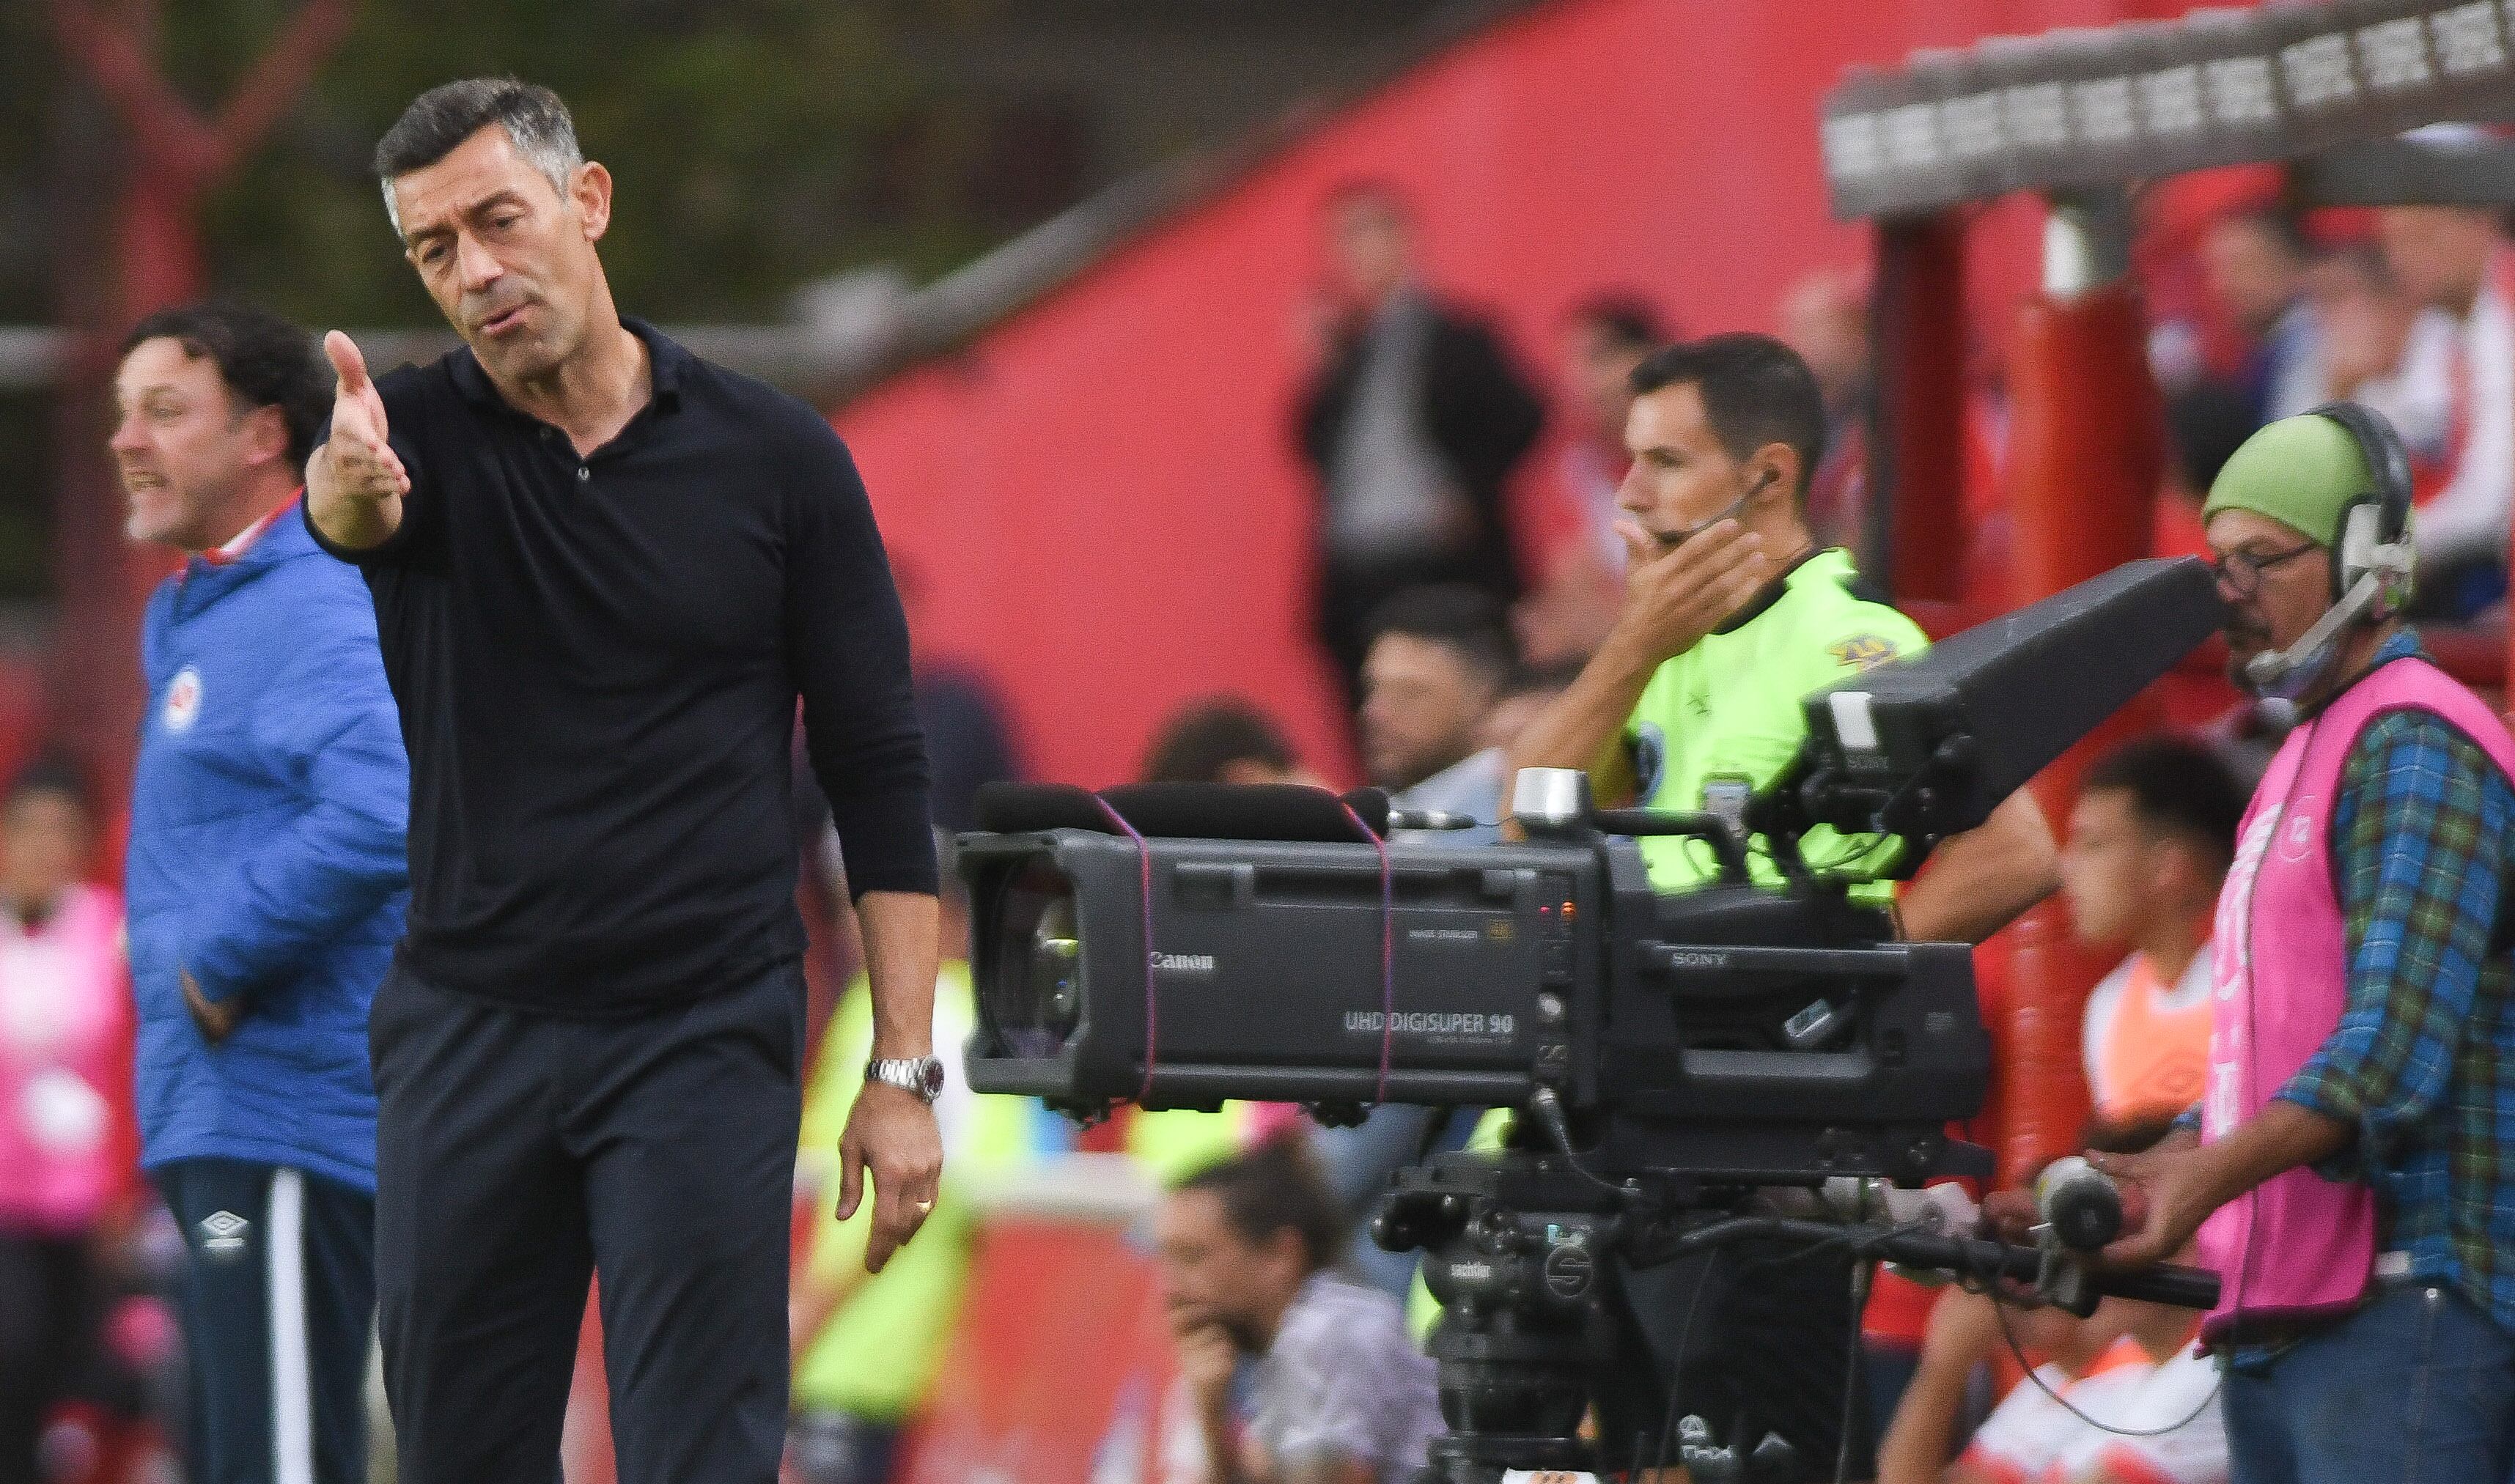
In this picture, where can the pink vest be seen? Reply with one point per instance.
(64, 1029)
(2299, 1245)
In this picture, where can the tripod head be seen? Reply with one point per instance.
(1524, 1251)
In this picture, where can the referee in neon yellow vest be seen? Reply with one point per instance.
(1731, 615)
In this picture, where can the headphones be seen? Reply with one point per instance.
(2375, 526)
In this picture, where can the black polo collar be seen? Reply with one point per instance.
(1768, 594)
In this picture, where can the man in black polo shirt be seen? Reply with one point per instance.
(604, 572)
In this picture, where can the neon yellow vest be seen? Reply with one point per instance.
(1723, 719)
(880, 1350)
(879, 1354)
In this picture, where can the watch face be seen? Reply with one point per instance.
(932, 1076)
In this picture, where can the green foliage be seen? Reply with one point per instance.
(740, 132)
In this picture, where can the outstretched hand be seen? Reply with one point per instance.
(361, 462)
(354, 482)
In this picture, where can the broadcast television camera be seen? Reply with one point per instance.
(1178, 946)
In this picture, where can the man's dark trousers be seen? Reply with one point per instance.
(519, 1153)
(277, 1298)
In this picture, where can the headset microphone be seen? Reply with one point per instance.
(2270, 668)
(2279, 678)
(1672, 540)
(2372, 559)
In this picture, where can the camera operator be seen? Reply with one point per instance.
(1341, 1397)
(2350, 1177)
(1732, 614)
(2117, 1397)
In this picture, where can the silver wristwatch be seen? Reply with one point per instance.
(919, 1075)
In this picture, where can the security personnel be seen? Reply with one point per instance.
(1732, 614)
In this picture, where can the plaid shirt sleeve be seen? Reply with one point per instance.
(2417, 832)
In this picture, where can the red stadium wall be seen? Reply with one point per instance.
(1099, 495)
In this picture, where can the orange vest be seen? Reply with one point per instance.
(2155, 1057)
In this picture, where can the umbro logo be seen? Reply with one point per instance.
(223, 1233)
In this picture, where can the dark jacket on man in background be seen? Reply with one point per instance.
(1449, 399)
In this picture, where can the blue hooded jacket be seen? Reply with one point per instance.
(267, 817)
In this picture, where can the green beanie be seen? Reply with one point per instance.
(2299, 471)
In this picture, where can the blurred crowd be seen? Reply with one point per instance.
(1469, 560)
(1468, 563)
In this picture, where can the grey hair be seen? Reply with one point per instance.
(445, 116)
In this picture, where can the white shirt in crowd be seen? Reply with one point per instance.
(2031, 1438)
(2468, 517)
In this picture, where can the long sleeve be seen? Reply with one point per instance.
(2418, 833)
(847, 642)
(327, 724)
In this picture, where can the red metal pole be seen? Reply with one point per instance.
(2085, 457)
(175, 156)
(1917, 464)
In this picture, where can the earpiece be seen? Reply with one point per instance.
(2375, 528)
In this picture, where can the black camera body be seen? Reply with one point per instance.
(1177, 945)
(1737, 1032)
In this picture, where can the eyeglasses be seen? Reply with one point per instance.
(2242, 571)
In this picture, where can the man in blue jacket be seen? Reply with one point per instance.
(267, 885)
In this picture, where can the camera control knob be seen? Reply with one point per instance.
(1550, 800)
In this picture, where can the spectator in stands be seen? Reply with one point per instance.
(2150, 1412)
(2384, 350)
(2253, 262)
(2150, 839)
(2456, 259)
(1825, 318)
(1411, 422)
(1605, 336)
(1438, 660)
(65, 1039)
(1222, 739)
(868, 1345)
(1340, 1394)
(1524, 697)
(2353, 1165)
(268, 878)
